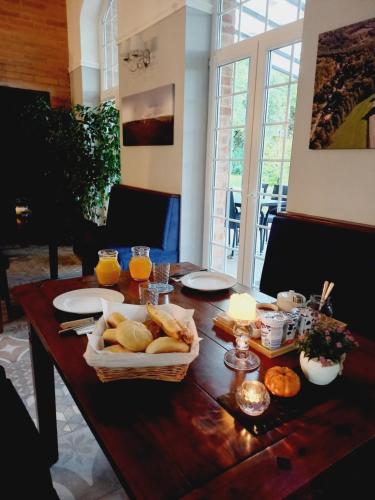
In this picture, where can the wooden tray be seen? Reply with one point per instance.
(226, 324)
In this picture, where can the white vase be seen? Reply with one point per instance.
(316, 373)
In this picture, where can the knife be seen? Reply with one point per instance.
(180, 275)
(79, 326)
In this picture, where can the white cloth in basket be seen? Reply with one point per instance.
(96, 356)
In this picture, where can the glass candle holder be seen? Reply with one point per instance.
(252, 397)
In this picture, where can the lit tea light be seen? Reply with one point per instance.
(252, 397)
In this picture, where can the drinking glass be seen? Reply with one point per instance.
(314, 304)
(148, 293)
(160, 277)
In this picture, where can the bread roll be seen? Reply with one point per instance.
(166, 344)
(153, 327)
(115, 318)
(109, 336)
(167, 322)
(115, 348)
(133, 335)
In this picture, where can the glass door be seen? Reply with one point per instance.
(253, 91)
(233, 84)
(276, 135)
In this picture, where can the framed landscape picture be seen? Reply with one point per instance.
(148, 117)
(343, 115)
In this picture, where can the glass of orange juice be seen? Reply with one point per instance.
(140, 264)
(108, 269)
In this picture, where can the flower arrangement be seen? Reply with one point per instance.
(326, 344)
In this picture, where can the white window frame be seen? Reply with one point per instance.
(111, 93)
(257, 48)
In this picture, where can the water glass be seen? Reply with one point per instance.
(314, 303)
(148, 293)
(160, 277)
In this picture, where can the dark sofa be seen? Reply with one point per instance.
(135, 217)
(302, 252)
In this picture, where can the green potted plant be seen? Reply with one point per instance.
(322, 352)
(82, 154)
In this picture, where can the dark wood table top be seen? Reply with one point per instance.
(168, 440)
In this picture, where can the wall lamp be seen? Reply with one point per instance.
(134, 53)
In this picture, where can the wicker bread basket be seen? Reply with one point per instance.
(173, 373)
(169, 367)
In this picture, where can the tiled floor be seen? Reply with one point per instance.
(82, 471)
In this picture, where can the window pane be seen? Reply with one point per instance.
(273, 142)
(253, 17)
(220, 202)
(281, 12)
(239, 109)
(242, 75)
(225, 112)
(292, 104)
(238, 143)
(288, 143)
(270, 175)
(279, 67)
(296, 61)
(219, 231)
(226, 79)
(228, 4)
(277, 99)
(236, 172)
(229, 27)
(217, 257)
(302, 9)
(223, 146)
(221, 174)
(285, 176)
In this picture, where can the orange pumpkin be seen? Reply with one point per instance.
(282, 381)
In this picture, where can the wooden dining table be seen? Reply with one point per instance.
(172, 440)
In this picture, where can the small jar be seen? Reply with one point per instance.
(314, 303)
(140, 264)
(108, 269)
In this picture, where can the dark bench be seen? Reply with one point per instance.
(135, 217)
(302, 252)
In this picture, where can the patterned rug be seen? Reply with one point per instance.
(82, 471)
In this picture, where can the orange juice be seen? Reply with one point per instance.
(140, 264)
(108, 269)
(140, 268)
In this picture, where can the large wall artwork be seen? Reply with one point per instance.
(343, 115)
(148, 117)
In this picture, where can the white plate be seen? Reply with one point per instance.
(207, 281)
(86, 300)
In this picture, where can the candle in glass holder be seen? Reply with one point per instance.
(252, 397)
(242, 307)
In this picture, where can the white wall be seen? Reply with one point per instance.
(337, 184)
(158, 167)
(179, 46)
(138, 15)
